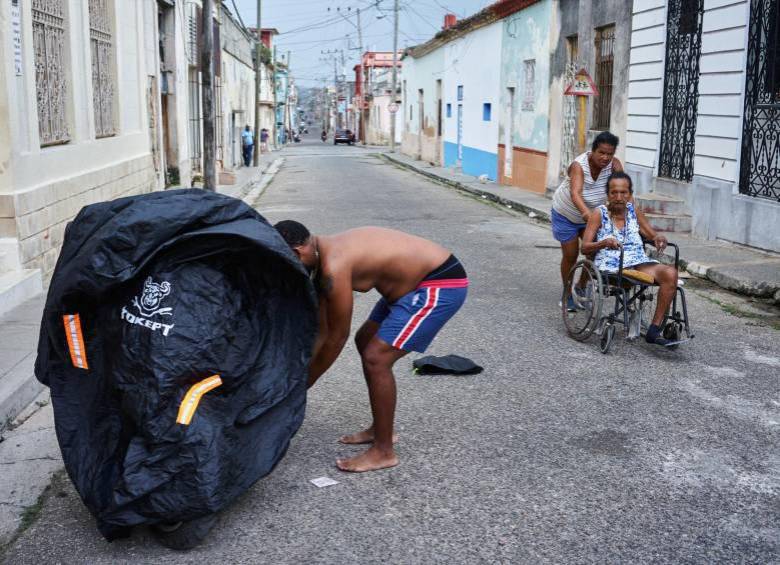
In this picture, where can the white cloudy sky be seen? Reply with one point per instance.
(308, 27)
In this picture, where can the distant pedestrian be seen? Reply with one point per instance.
(247, 145)
(263, 140)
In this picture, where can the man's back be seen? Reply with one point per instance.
(391, 261)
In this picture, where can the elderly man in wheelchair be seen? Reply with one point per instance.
(616, 233)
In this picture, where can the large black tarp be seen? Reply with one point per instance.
(171, 289)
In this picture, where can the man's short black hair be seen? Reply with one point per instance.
(621, 175)
(607, 138)
(294, 233)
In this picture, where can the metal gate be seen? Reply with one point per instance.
(681, 89)
(569, 135)
(760, 170)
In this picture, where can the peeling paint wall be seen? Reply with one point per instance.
(419, 113)
(527, 38)
(581, 18)
(525, 101)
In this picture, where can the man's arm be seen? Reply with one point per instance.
(647, 231)
(589, 246)
(337, 319)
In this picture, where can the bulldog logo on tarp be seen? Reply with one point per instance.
(148, 306)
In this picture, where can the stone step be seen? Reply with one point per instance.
(18, 286)
(671, 187)
(679, 223)
(656, 203)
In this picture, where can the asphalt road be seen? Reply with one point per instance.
(556, 453)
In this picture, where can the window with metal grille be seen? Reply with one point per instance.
(194, 119)
(49, 24)
(529, 86)
(101, 45)
(602, 105)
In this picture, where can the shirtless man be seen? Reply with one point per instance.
(422, 286)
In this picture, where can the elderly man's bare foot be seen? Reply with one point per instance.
(366, 436)
(371, 459)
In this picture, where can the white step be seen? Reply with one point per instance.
(9, 255)
(18, 286)
(655, 203)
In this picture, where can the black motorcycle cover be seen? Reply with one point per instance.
(175, 341)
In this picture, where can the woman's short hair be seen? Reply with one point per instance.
(621, 175)
(607, 138)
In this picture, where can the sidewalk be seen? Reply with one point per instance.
(733, 267)
(247, 176)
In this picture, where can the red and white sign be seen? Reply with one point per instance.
(582, 85)
(392, 108)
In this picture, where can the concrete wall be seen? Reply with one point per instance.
(524, 124)
(379, 122)
(712, 197)
(419, 115)
(238, 90)
(466, 61)
(42, 188)
(582, 18)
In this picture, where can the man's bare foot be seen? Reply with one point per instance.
(371, 459)
(366, 436)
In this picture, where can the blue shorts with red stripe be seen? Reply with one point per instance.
(411, 322)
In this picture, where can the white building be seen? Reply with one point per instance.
(704, 117)
(77, 106)
(235, 90)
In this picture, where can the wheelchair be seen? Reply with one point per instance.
(628, 297)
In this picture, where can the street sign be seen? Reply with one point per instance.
(392, 108)
(582, 85)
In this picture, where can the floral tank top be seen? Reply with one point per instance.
(608, 260)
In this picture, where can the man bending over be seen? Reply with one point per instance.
(422, 286)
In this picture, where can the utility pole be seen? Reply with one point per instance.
(287, 96)
(273, 86)
(258, 82)
(362, 82)
(207, 77)
(394, 86)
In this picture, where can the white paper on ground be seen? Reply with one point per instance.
(323, 482)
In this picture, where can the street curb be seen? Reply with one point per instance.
(742, 286)
(23, 392)
(514, 205)
(258, 187)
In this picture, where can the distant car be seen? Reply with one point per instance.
(343, 136)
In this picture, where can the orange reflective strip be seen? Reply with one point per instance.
(75, 337)
(191, 400)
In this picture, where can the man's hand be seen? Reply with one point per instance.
(610, 243)
(660, 243)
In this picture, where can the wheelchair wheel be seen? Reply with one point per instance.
(607, 335)
(582, 300)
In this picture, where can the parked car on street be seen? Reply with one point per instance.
(343, 136)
